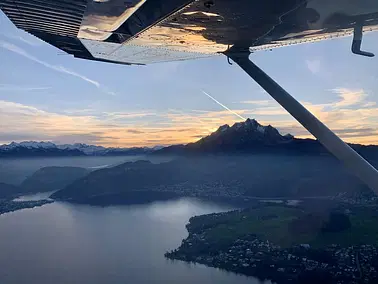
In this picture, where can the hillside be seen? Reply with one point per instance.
(235, 177)
(8, 191)
(52, 178)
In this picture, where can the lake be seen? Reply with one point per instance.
(66, 243)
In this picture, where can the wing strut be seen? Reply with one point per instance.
(357, 40)
(357, 164)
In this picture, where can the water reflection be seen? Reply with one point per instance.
(65, 243)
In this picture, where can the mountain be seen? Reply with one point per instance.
(43, 180)
(8, 191)
(241, 136)
(32, 148)
(252, 137)
(90, 150)
(248, 136)
(52, 178)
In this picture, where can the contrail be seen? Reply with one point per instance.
(222, 105)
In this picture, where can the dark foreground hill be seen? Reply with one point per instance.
(8, 191)
(218, 176)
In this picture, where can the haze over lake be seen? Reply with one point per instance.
(15, 170)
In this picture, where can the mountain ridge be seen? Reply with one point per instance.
(42, 148)
(252, 137)
(242, 137)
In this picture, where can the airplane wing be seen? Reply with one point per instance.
(149, 31)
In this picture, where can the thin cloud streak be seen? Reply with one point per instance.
(222, 105)
(15, 49)
(186, 114)
(15, 88)
(32, 41)
(258, 102)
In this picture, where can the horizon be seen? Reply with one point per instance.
(50, 96)
(153, 146)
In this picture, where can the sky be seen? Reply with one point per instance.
(47, 95)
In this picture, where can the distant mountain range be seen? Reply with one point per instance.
(240, 161)
(32, 149)
(252, 137)
(237, 162)
(241, 138)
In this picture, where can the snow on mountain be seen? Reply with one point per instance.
(90, 150)
(87, 149)
(158, 147)
(261, 129)
(252, 123)
(251, 128)
(29, 145)
(224, 128)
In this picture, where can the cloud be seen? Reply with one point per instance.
(87, 138)
(265, 107)
(16, 108)
(29, 40)
(358, 132)
(134, 131)
(18, 121)
(270, 111)
(15, 49)
(351, 115)
(314, 65)
(16, 88)
(369, 104)
(350, 97)
(195, 117)
(19, 136)
(258, 102)
(127, 115)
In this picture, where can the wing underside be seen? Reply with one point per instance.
(146, 31)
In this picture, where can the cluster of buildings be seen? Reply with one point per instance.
(254, 257)
(10, 206)
(357, 199)
(203, 190)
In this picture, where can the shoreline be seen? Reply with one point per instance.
(8, 206)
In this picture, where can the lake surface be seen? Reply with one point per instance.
(65, 243)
